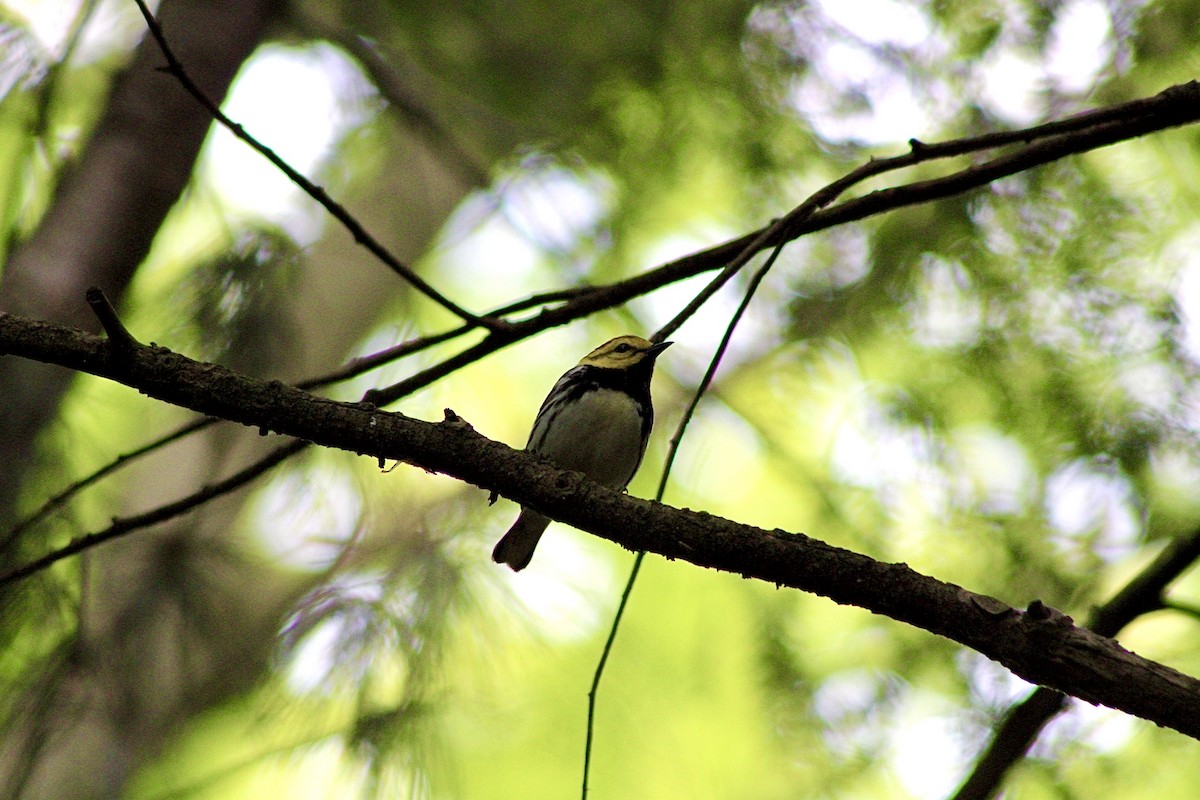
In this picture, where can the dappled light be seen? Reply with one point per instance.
(254, 372)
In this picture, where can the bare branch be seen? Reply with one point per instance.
(1012, 741)
(1178, 105)
(1040, 645)
(76, 487)
(1024, 721)
(1174, 106)
(163, 513)
(352, 369)
(676, 440)
(118, 334)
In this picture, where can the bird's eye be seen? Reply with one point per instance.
(623, 348)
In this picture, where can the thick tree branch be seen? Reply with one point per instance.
(1040, 645)
(351, 369)
(1130, 119)
(1024, 721)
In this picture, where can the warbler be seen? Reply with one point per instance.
(596, 420)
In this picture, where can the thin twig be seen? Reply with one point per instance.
(122, 340)
(1187, 609)
(67, 493)
(608, 643)
(360, 234)
(796, 223)
(1172, 107)
(120, 527)
(713, 365)
(705, 382)
(358, 366)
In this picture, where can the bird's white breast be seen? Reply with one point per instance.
(600, 435)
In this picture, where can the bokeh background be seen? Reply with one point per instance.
(999, 389)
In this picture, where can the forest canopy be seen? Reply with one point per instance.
(277, 278)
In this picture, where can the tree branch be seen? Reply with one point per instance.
(672, 449)
(1174, 106)
(1018, 731)
(351, 369)
(75, 487)
(1178, 105)
(163, 513)
(1040, 645)
(1024, 721)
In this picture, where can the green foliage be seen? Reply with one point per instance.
(996, 388)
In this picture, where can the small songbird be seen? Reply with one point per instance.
(596, 420)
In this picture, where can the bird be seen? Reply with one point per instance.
(596, 420)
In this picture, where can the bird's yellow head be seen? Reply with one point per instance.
(624, 352)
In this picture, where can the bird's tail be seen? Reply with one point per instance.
(516, 547)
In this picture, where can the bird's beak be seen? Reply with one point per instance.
(655, 349)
